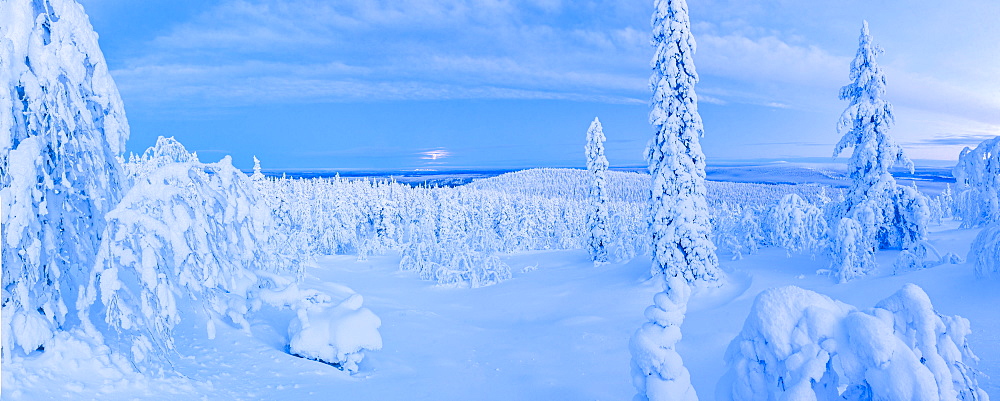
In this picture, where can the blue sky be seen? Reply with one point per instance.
(504, 83)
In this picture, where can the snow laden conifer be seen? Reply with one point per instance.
(865, 127)
(62, 128)
(682, 250)
(597, 218)
(680, 218)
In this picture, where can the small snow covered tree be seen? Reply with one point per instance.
(865, 126)
(977, 184)
(683, 252)
(797, 225)
(597, 218)
(62, 128)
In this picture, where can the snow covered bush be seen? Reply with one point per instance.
(852, 253)
(597, 217)
(977, 182)
(329, 327)
(898, 212)
(192, 239)
(797, 225)
(922, 255)
(798, 345)
(62, 126)
(984, 252)
(737, 229)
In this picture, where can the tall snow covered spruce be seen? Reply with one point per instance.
(680, 217)
(62, 127)
(897, 214)
(682, 249)
(597, 218)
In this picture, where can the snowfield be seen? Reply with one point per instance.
(558, 329)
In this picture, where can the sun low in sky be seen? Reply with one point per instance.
(368, 84)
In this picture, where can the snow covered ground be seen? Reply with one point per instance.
(558, 329)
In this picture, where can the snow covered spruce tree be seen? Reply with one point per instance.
(899, 214)
(62, 127)
(597, 218)
(683, 252)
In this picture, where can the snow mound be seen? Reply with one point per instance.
(329, 327)
(800, 345)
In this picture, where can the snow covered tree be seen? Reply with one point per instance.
(196, 241)
(682, 244)
(977, 184)
(800, 345)
(62, 128)
(683, 252)
(797, 225)
(597, 218)
(865, 126)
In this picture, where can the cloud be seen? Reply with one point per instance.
(768, 59)
(953, 140)
(267, 51)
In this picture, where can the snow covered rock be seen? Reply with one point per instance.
(800, 345)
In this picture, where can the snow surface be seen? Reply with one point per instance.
(558, 329)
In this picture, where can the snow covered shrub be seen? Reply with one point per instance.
(62, 127)
(737, 230)
(797, 344)
(597, 217)
(977, 182)
(984, 252)
(328, 327)
(797, 225)
(852, 253)
(454, 263)
(922, 255)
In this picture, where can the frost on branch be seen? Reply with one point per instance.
(800, 345)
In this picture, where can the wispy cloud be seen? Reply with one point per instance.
(267, 51)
